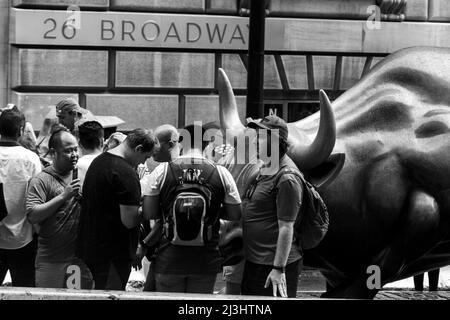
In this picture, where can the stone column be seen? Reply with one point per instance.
(4, 52)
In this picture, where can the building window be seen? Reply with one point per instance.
(301, 109)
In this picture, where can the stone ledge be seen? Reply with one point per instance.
(63, 3)
(9, 293)
(182, 6)
(321, 8)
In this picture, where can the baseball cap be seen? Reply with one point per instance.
(69, 104)
(270, 123)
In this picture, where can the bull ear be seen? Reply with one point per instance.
(324, 174)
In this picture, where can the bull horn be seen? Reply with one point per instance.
(229, 117)
(309, 156)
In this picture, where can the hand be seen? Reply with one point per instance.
(278, 280)
(140, 254)
(72, 190)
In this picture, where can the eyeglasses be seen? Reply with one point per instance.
(180, 139)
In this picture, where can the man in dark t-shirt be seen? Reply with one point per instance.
(270, 208)
(110, 210)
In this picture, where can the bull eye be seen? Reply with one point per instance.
(436, 112)
(431, 129)
(386, 116)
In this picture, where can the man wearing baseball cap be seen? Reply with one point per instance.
(272, 123)
(69, 113)
(271, 205)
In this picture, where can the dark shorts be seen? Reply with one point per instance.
(188, 283)
(111, 274)
(255, 276)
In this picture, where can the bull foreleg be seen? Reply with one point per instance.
(415, 238)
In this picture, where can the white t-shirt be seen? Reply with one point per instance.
(83, 165)
(17, 166)
(151, 183)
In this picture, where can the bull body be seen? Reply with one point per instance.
(390, 203)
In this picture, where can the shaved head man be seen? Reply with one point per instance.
(168, 137)
(53, 206)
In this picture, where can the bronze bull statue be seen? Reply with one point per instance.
(381, 156)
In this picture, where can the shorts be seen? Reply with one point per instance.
(62, 275)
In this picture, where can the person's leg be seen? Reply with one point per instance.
(86, 280)
(418, 282)
(254, 279)
(170, 282)
(199, 283)
(119, 273)
(150, 284)
(50, 275)
(232, 288)
(293, 271)
(100, 272)
(21, 265)
(433, 279)
(233, 278)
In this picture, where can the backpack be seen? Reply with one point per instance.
(312, 221)
(191, 209)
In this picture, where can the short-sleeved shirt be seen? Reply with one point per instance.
(189, 260)
(83, 165)
(109, 183)
(57, 233)
(17, 166)
(263, 210)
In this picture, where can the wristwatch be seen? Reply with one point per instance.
(281, 269)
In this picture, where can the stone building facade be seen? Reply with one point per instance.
(155, 61)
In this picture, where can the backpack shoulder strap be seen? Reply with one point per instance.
(170, 168)
(285, 170)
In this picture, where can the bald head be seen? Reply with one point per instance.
(166, 133)
(64, 147)
(58, 136)
(168, 137)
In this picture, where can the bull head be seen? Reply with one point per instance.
(306, 154)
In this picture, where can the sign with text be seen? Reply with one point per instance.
(118, 29)
(215, 32)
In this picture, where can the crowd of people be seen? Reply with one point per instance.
(76, 199)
